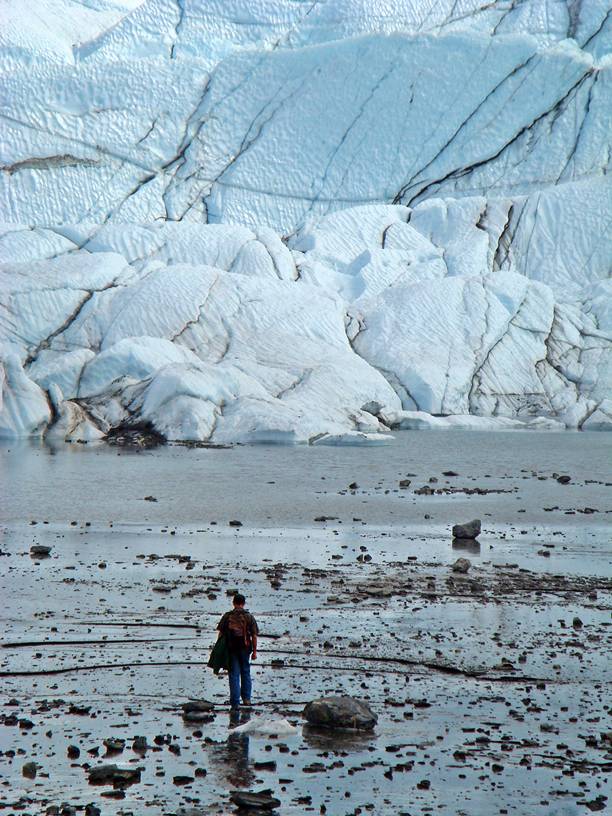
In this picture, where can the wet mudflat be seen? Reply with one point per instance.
(491, 686)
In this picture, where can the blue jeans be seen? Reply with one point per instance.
(239, 676)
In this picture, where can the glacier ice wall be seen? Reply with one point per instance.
(304, 222)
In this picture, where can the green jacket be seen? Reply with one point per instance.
(219, 656)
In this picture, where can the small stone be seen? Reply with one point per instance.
(150, 498)
(235, 523)
(29, 770)
(73, 752)
(140, 744)
(564, 479)
(114, 745)
(404, 483)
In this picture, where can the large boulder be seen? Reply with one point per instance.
(120, 777)
(469, 530)
(340, 712)
(261, 801)
(461, 565)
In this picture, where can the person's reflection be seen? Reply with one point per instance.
(232, 757)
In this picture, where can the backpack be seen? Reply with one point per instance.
(238, 629)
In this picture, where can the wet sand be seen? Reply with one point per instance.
(491, 687)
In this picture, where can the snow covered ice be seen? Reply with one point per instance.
(304, 222)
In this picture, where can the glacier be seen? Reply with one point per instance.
(304, 222)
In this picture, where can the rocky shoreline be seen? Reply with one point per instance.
(481, 650)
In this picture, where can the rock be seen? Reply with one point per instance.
(80, 710)
(140, 744)
(29, 770)
(235, 523)
(564, 479)
(73, 752)
(597, 804)
(40, 551)
(92, 810)
(426, 490)
(340, 712)
(150, 498)
(353, 486)
(183, 780)
(114, 745)
(269, 765)
(461, 565)
(449, 473)
(250, 800)
(138, 435)
(198, 705)
(469, 530)
(103, 774)
(577, 623)
(405, 483)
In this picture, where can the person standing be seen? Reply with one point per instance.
(240, 630)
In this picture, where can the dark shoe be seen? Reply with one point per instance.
(247, 703)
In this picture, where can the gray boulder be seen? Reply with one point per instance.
(469, 530)
(261, 801)
(103, 774)
(29, 770)
(340, 712)
(40, 550)
(461, 565)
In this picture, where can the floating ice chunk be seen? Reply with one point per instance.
(264, 726)
(353, 438)
(544, 424)
(483, 423)
(414, 421)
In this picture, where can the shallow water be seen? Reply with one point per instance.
(276, 486)
(482, 684)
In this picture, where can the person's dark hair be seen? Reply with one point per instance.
(239, 600)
